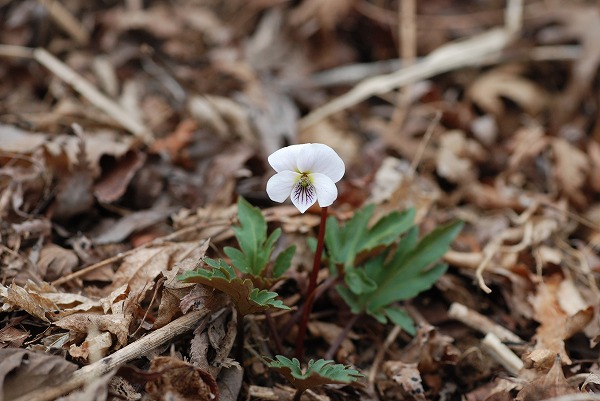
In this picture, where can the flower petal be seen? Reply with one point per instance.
(319, 158)
(280, 185)
(303, 196)
(286, 158)
(326, 190)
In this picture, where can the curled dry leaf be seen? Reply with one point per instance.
(571, 169)
(548, 385)
(116, 177)
(22, 371)
(406, 382)
(181, 381)
(556, 325)
(488, 90)
(86, 323)
(56, 261)
(15, 297)
(211, 346)
(174, 290)
(455, 157)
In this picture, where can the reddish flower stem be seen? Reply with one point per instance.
(312, 285)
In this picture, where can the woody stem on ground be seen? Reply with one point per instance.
(312, 285)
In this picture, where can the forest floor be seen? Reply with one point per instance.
(128, 130)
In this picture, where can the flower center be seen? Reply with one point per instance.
(304, 190)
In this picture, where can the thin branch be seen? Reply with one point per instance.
(132, 351)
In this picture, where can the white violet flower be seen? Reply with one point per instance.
(307, 173)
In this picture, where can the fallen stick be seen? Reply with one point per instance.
(92, 94)
(67, 21)
(449, 57)
(478, 322)
(132, 351)
(502, 354)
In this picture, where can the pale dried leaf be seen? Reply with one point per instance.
(22, 371)
(571, 168)
(488, 89)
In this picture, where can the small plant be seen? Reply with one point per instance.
(249, 292)
(247, 298)
(381, 266)
(317, 373)
(307, 173)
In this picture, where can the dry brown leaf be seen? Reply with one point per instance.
(116, 177)
(454, 160)
(571, 169)
(430, 350)
(488, 89)
(326, 13)
(95, 389)
(85, 323)
(140, 269)
(12, 337)
(527, 143)
(174, 290)
(330, 333)
(56, 261)
(211, 346)
(18, 298)
(406, 379)
(16, 140)
(131, 223)
(551, 384)
(22, 371)
(594, 156)
(179, 380)
(556, 325)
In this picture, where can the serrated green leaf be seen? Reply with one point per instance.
(400, 318)
(317, 373)
(283, 261)
(247, 298)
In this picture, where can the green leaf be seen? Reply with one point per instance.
(317, 373)
(238, 259)
(406, 275)
(247, 298)
(396, 273)
(400, 318)
(255, 247)
(283, 261)
(345, 242)
(358, 281)
(251, 236)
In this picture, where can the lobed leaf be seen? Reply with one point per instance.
(247, 298)
(317, 373)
